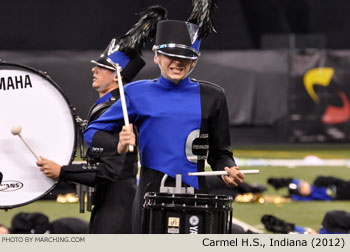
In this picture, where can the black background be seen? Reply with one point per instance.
(90, 24)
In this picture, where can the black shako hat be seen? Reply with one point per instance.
(131, 65)
(182, 38)
(178, 39)
(126, 50)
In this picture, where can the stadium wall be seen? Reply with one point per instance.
(268, 99)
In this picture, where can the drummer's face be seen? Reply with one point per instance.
(101, 76)
(173, 68)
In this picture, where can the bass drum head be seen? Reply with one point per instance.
(30, 99)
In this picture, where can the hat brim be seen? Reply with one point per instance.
(103, 63)
(178, 52)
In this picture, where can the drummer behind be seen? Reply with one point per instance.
(114, 177)
(170, 110)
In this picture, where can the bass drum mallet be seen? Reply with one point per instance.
(16, 131)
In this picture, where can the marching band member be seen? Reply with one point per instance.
(171, 111)
(114, 177)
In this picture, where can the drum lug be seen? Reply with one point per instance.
(44, 74)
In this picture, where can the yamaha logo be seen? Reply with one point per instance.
(11, 185)
(194, 220)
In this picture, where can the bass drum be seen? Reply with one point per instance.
(30, 99)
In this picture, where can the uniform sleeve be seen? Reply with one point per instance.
(220, 150)
(91, 174)
(106, 165)
(79, 173)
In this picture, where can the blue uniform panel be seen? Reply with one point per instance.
(166, 114)
(317, 193)
(299, 229)
(104, 98)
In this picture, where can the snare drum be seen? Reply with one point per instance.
(165, 213)
(32, 100)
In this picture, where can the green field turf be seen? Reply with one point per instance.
(302, 213)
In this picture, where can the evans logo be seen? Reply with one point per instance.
(11, 185)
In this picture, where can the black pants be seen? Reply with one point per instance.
(113, 207)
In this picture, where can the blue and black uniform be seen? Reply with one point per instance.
(167, 116)
(112, 176)
(339, 187)
(323, 188)
(316, 193)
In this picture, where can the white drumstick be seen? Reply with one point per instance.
(16, 130)
(216, 173)
(122, 98)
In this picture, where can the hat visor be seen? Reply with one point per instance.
(104, 64)
(178, 52)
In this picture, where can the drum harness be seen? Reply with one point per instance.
(86, 193)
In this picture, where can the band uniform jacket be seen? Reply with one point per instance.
(177, 125)
(112, 175)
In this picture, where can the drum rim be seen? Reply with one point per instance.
(184, 195)
(71, 108)
(187, 201)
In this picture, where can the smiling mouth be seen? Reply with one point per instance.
(176, 69)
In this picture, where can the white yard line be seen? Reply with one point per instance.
(246, 226)
(307, 161)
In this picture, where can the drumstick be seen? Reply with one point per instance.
(215, 173)
(122, 98)
(16, 130)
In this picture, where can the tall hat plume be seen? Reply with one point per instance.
(126, 50)
(145, 28)
(201, 15)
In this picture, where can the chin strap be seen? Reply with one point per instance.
(195, 63)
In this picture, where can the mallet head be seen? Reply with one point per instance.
(16, 129)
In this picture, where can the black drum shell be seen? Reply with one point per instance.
(165, 213)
